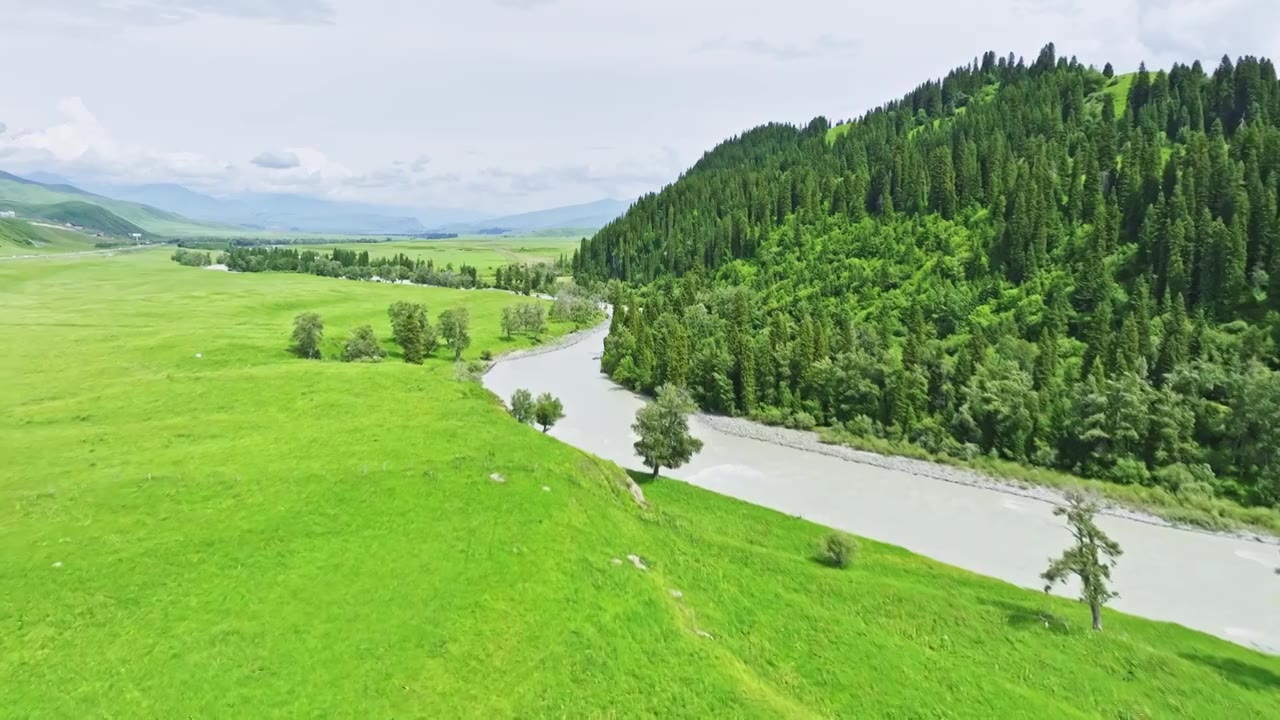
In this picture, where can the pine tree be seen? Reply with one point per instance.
(1128, 352)
(1098, 339)
(1142, 313)
(1174, 344)
(678, 356)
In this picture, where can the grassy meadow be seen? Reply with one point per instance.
(246, 534)
(20, 237)
(486, 254)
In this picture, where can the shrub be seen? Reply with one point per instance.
(770, 416)
(861, 426)
(1128, 471)
(802, 421)
(362, 346)
(486, 355)
(837, 550)
(1174, 477)
(192, 258)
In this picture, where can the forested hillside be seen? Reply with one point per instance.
(1040, 262)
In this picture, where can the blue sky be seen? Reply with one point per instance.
(506, 105)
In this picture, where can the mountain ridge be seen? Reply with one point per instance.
(291, 212)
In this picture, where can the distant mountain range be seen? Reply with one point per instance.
(586, 217)
(278, 212)
(66, 204)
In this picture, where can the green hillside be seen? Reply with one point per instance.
(196, 524)
(1118, 88)
(20, 237)
(86, 215)
(32, 199)
(1006, 267)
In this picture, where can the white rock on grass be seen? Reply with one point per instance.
(635, 560)
(616, 561)
(497, 477)
(58, 564)
(677, 594)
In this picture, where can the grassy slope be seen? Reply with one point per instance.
(19, 237)
(1118, 89)
(87, 215)
(27, 197)
(250, 534)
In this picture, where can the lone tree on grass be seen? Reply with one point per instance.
(455, 326)
(308, 331)
(412, 331)
(547, 411)
(663, 427)
(523, 406)
(1090, 559)
(362, 346)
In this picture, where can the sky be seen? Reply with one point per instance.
(507, 105)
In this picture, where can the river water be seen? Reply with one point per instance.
(1220, 585)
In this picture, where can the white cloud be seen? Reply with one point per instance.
(508, 105)
(1208, 29)
(171, 12)
(524, 4)
(823, 47)
(277, 160)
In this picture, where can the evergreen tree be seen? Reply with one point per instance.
(1089, 560)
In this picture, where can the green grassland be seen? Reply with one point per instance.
(19, 237)
(484, 253)
(248, 535)
(88, 216)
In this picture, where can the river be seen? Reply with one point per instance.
(1220, 585)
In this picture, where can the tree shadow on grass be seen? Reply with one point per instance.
(641, 478)
(1027, 617)
(1246, 675)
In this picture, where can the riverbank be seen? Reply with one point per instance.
(1041, 485)
(1217, 582)
(810, 441)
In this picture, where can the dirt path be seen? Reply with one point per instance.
(80, 253)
